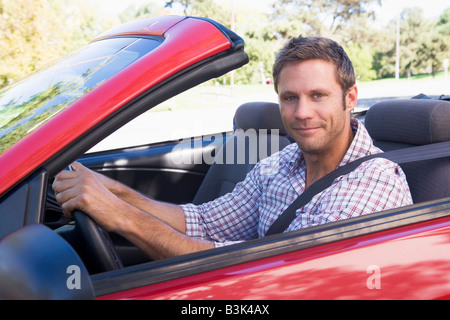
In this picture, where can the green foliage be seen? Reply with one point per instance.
(434, 49)
(362, 62)
(384, 64)
(33, 32)
(323, 17)
(422, 46)
(25, 116)
(444, 23)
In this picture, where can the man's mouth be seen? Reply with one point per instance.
(307, 129)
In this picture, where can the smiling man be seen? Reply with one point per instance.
(316, 114)
(315, 82)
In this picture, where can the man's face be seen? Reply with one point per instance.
(312, 106)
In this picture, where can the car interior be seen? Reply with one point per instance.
(398, 124)
(393, 124)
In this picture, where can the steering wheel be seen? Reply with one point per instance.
(98, 243)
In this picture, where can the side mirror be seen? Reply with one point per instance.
(36, 263)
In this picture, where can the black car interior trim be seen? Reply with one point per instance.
(28, 211)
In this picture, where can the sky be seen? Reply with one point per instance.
(431, 8)
(388, 10)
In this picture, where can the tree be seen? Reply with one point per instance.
(412, 31)
(422, 43)
(362, 62)
(444, 22)
(421, 46)
(23, 26)
(346, 21)
(254, 27)
(323, 17)
(34, 32)
(432, 51)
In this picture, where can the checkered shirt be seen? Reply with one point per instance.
(275, 182)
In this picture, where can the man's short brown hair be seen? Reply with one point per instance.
(302, 49)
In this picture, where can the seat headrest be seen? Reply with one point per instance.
(416, 122)
(259, 115)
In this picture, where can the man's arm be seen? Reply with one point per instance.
(157, 228)
(170, 214)
(157, 239)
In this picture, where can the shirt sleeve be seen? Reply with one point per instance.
(230, 219)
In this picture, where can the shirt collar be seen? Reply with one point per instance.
(361, 146)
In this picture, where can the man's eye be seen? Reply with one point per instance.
(318, 95)
(290, 99)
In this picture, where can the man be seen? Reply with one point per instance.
(315, 82)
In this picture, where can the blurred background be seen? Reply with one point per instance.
(33, 32)
(399, 48)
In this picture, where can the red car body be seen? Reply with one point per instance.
(399, 254)
(386, 265)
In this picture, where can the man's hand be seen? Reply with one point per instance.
(82, 189)
(157, 228)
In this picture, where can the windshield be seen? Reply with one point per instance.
(26, 105)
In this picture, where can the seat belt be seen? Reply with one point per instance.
(401, 156)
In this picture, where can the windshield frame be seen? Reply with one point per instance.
(28, 104)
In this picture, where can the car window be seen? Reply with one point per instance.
(29, 103)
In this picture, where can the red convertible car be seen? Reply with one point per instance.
(55, 116)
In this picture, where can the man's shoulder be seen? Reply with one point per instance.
(379, 167)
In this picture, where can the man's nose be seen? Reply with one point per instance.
(303, 110)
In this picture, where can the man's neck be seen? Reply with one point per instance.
(319, 165)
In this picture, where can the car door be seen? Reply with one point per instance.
(169, 171)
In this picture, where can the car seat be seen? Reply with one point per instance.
(259, 132)
(397, 124)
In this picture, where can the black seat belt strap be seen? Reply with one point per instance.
(401, 156)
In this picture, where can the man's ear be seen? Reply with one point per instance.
(351, 98)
